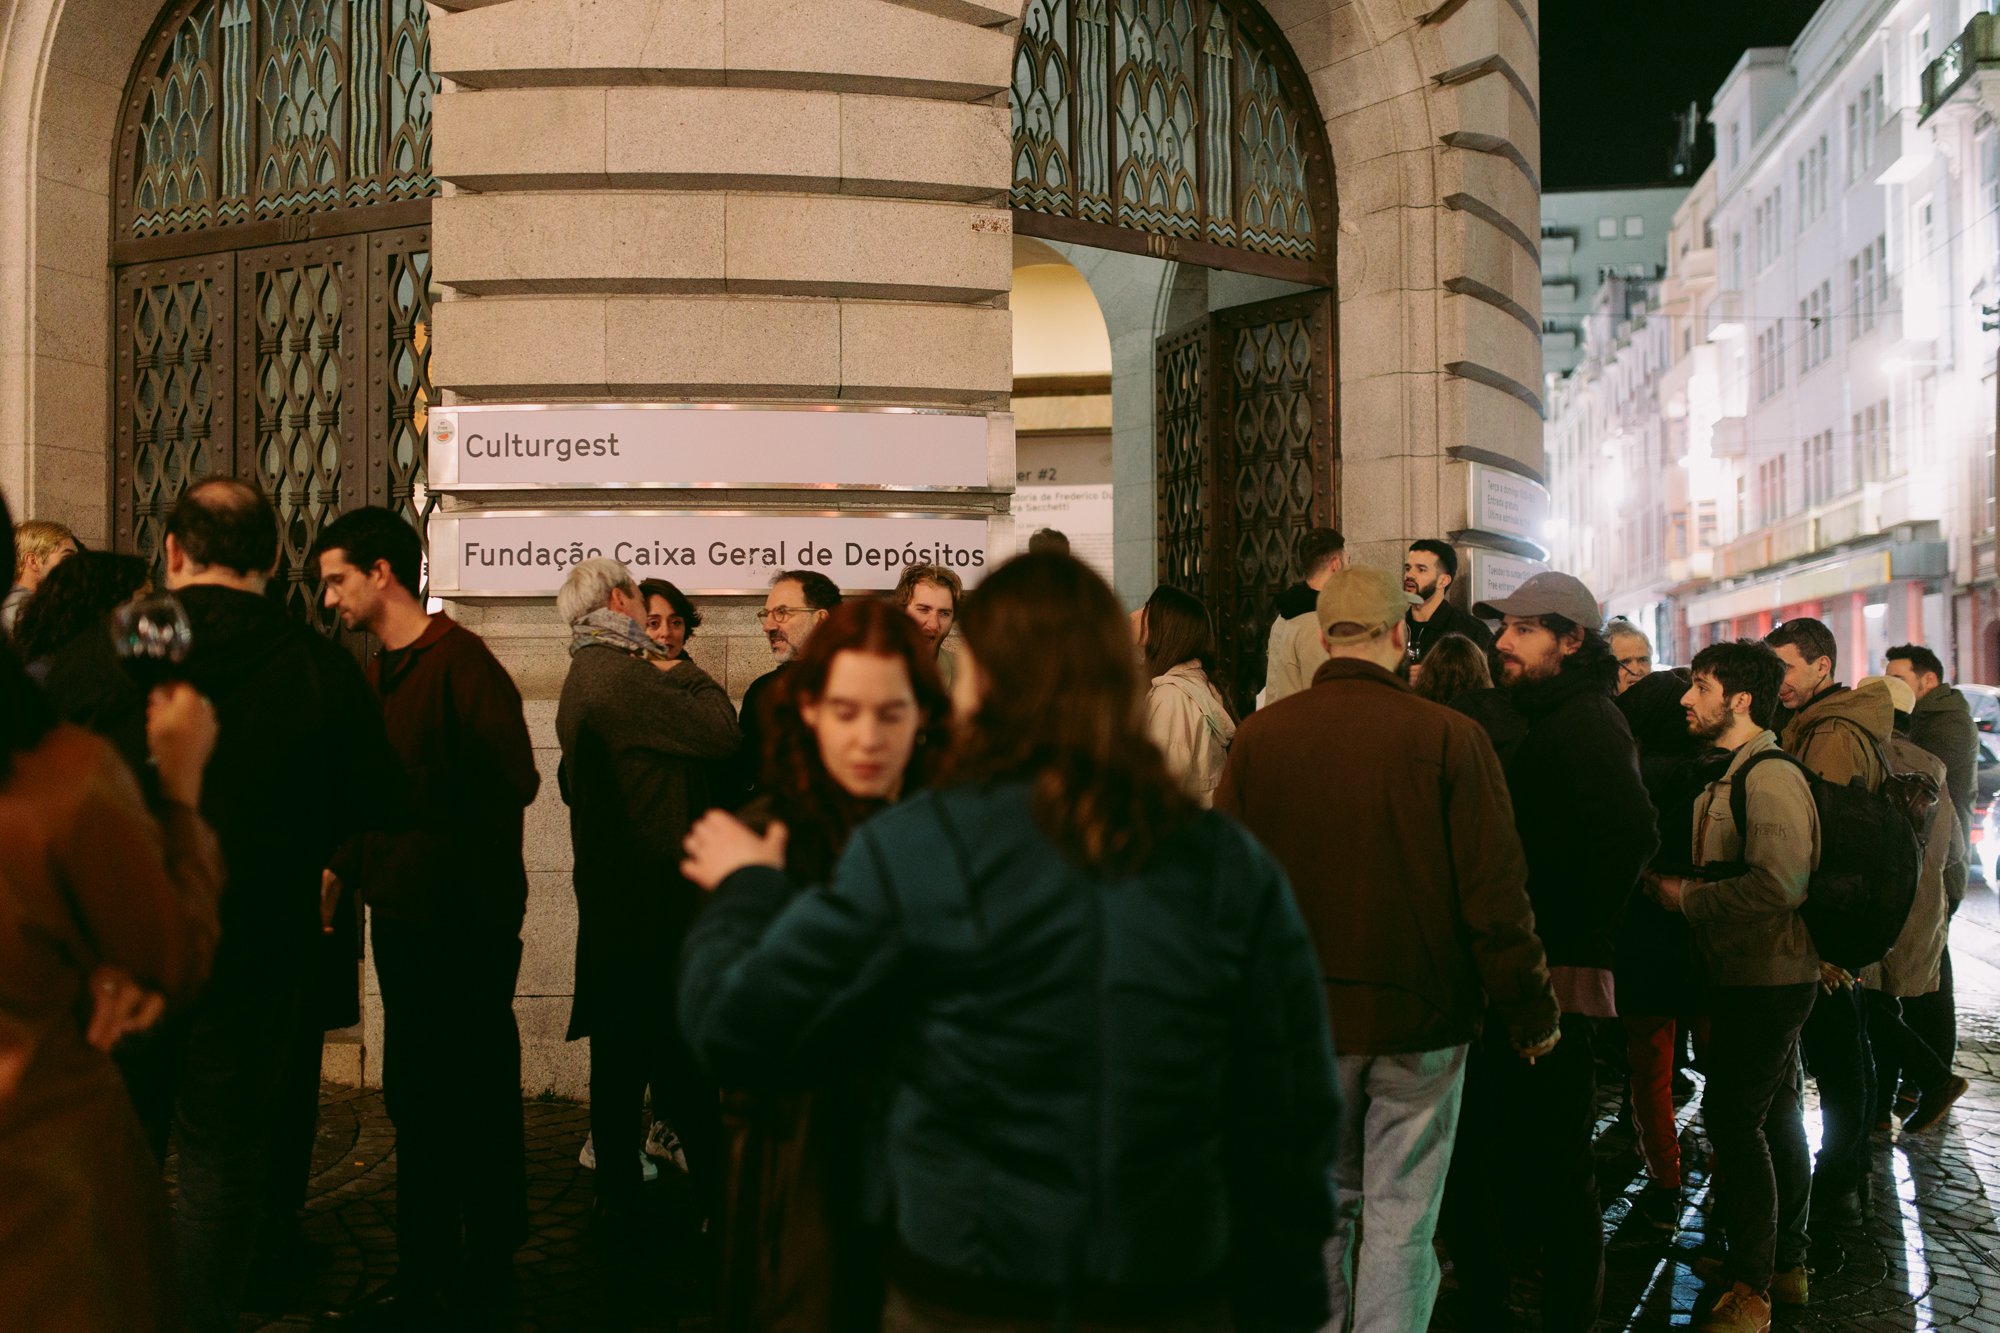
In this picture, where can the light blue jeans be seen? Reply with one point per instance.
(1398, 1119)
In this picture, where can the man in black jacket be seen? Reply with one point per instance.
(1430, 569)
(302, 763)
(1589, 830)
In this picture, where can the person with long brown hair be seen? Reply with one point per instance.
(859, 719)
(1454, 667)
(1186, 715)
(1109, 1095)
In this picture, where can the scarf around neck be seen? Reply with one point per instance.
(605, 628)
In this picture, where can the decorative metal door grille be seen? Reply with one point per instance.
(1245, 416)
(254, 109)
(272, 317)
(1179, 128)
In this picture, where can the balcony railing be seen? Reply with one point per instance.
(1977, 47)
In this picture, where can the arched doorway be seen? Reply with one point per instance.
(1185, 131)
(271, 244)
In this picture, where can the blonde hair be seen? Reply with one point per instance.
(36, 538)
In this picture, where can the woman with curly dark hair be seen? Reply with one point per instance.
(1108, 1095)
(858, 720)
(74, 597)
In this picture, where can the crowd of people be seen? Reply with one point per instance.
(986, 969)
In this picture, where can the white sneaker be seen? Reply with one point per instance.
(588, 1158)
(663, 1143)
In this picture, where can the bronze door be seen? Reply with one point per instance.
(1247, 460)
(303, 368)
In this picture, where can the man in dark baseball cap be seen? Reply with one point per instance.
(1588, 829)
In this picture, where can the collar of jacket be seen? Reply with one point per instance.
(1353, 668)
(1538, 698)
(1296, 600)
(1763, 740)
(1944, 699)
(407, 655)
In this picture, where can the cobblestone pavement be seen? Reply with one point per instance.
(1928, 1257)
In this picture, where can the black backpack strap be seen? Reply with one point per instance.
(1739, 787)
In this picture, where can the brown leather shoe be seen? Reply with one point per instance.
(1740, 1310)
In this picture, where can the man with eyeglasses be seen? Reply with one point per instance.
(1633, 650)
(798, 601)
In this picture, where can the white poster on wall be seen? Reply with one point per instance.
(1081, 513)
(527, 553)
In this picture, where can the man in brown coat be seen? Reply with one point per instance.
(1414, 886)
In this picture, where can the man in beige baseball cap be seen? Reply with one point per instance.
(1412, 882)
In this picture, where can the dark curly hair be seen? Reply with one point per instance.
(74, 596)
(819, 813)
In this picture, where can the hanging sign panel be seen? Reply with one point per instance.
(688, 446)
(528, 553)
(1495, 574)
(1507, 503)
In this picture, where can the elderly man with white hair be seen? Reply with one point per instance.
(639, 731)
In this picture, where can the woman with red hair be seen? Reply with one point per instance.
(859, 720)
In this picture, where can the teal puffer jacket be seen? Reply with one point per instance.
(1096, 1082)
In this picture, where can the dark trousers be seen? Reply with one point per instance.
(229, 1075)
(1934, 1017)
(1537, 1117)
(293, 1130)
(1757, 1126)
(451, 1077)
(632, 1048)
(1899, 1053)
(1835, 1042)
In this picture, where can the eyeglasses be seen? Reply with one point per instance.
(1634, 664)
(778, 615)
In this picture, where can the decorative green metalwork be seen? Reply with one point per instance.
(177, 131)
(1178, 118)
(300, 337)
(408, 382)
(261, 108)
(173, 399)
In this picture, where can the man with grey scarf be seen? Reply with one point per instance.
(638, 731)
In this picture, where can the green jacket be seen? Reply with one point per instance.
(1748, 926)
(1942, 723)
(1095, 1081)
(1830, 735)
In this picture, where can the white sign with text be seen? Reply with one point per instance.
(527, 553)
(1496, 574)
(687, 446)
(1507, 503)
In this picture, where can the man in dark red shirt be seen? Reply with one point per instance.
(446, 895)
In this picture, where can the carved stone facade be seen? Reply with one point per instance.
(801, 200)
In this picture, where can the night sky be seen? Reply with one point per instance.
(1614, 72)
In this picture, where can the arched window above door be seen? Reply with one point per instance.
(247, 110)
(1179, 128)
(271, 243)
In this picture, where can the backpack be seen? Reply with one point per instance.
(1871, 856)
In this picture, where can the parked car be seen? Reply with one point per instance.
(1985, 702)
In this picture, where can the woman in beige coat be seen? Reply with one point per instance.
(105, 913)
(1186, 715)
